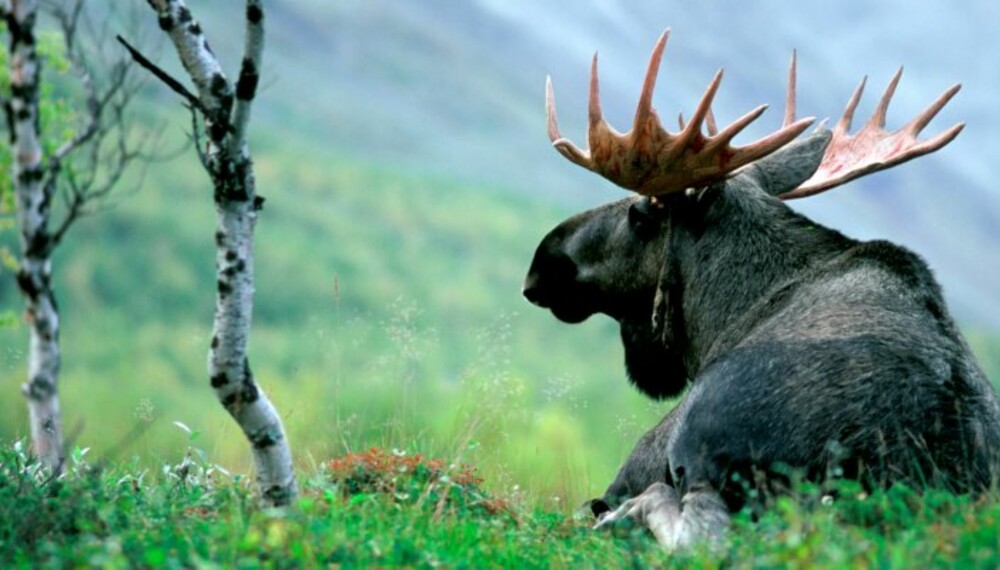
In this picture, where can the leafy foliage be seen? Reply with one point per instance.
(414, 479)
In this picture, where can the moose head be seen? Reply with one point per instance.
(707, 232)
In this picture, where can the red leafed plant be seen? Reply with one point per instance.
(413, 479)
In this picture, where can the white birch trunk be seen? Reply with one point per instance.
(236, 204)
(33, 199)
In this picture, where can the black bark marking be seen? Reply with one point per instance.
(194, 28)
(246, 87)
(215, 344)
(220, 237)
(27, 285)
(29, 175)
(185, 15)
(218, 380)
(21, 32)
(249, 394)
(250, 391)
(218, 86)
(240, 265)
(254, 14)
(278, 495)
(224, 288)
(40, 388)
(24, 91)
(258, 202)
(166, 22)
(229, 401)
(265, 437)
(39, 245)
(8, 110)
(231, 181)
(221, 89)
(231, 255)
(217, 132)
(263, 441)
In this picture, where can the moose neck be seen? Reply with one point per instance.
(731, 254)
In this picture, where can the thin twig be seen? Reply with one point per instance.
(165, 77)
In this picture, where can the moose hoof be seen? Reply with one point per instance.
(658, 506)
(700, 517)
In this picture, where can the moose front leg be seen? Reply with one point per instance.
(677, 522)
(647, 464)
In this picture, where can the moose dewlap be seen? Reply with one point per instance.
(798, 347)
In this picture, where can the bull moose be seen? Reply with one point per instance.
(799, 348)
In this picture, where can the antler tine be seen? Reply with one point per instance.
(938, 141)
(844, 124)
(772, 142)
(563, 145)
(735, 128)
(713, 129)
(645, 117)
(921, 120)
(790, 95)
(594, 114)
(694, 126)
(878, 118)
(551, 120)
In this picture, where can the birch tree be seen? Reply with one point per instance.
(81, 168)
(221, 143)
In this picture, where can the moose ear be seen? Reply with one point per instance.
(788, 168)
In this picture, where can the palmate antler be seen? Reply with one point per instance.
(872, 148)
(651, 161)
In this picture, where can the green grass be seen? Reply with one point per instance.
(410, 511)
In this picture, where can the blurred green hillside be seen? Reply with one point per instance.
(401, 214)
(388, 313)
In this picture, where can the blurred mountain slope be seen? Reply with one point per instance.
(458, 89)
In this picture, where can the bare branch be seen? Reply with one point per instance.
(175, 85)
(74, 210)
(196, 140)
(88, 166)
